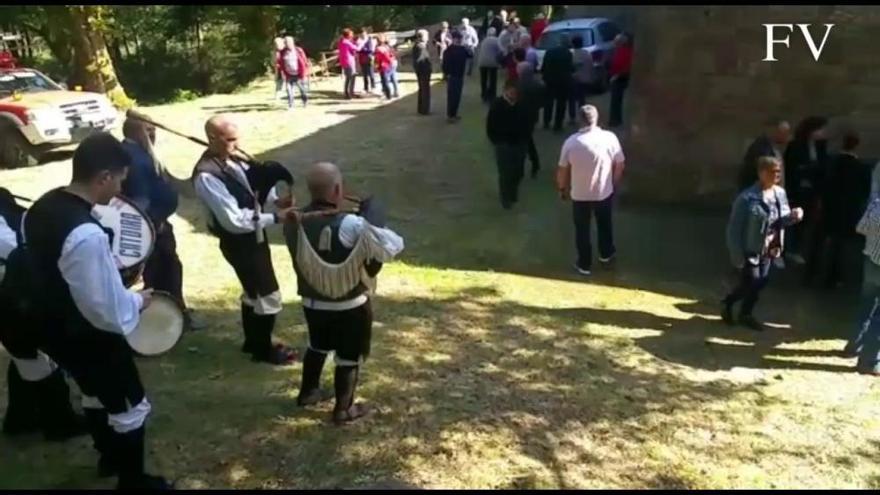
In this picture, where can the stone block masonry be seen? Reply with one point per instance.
(700, 91)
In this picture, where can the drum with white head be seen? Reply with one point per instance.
(133, 236)
(160, 326)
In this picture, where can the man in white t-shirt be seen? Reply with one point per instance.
(590, 167)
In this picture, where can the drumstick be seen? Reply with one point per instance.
(16, 196)
(134, 114)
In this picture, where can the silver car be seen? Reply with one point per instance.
(598, 34)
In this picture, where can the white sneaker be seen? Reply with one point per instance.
(581, 270)
(796, 258)
(606, 260)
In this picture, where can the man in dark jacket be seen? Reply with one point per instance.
(454, 64)
(772, 142)
(532, 97)
(806, 160)
(844, 196)
(422, 67)
(148, 187)
(507, 126)
(557, 69)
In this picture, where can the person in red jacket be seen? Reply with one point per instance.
(294, 67)
(519, 55)
(386, 61)
(621, 61)
(537, 28)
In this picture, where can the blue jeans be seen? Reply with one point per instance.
(753, 279)
(289, 84)
(866, 341)
(369, 76)
(389, 83)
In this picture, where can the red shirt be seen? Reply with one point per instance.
(621, 60)
(384, 58)
(537, 29)
(511, 69)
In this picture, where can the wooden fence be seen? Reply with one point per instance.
(327, 63)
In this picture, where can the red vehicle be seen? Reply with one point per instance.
(8, 44)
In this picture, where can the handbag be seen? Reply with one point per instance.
(870, 221)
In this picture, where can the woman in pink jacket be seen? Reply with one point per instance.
(347, 60)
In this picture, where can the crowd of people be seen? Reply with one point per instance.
(802, 204)
(365, 56)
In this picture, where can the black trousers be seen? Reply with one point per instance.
(753, 279)
(424, 95)
(510, 160)
(163, 270)
(534, 158)
(252, 263)
(101, 363)
(347, 333)
(583, 212)
(578, 98)
(615, 115)
(454, 88)
(557, 96)
(488, 83)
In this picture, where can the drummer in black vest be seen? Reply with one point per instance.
(88, 309)
(148, 186)
(336, 256)
(236, 217)
(38, 395)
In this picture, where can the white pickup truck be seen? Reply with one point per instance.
(38, 115)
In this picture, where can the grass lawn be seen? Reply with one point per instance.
(492, 365)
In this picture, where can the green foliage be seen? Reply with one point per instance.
(181, 95)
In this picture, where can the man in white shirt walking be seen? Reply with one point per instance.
(590, 168)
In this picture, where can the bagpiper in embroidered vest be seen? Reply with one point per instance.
(325, 269)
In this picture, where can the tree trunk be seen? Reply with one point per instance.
(115, 51)
(28, 44)
(91, 57)
(124, 42)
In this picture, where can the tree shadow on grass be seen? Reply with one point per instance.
(456, 381)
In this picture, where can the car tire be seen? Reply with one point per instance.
(15, 150)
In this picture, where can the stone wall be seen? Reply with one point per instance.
(700, 91)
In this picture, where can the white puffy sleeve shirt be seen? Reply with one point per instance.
(88, 267)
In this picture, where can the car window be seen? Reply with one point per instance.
(24, 81)
(607, 31)
(550, 39)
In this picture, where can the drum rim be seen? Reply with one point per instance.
(141, 211)
(164, 295)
